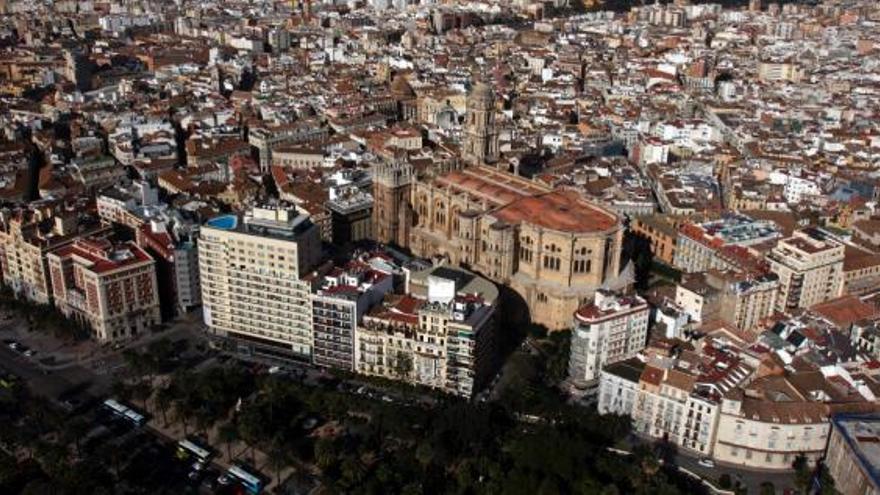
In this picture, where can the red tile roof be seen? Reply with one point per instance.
(846, 310)
(103, 255)
(560, 210)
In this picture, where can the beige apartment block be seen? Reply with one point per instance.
(252, 289)
(810, 269)
(27, 236)
(444, 340)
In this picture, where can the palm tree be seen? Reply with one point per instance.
(52, 457)
(142, 391)
(183, 412)
(110, 451)
(163, 401)
(278, 458)
(325, 453)
(274, 390)
(135, 361)
(353, 472)
(75, 430)
(228, 434)
(250, 428)
(203, 418)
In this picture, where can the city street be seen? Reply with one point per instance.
(50, 385)
(751, 479)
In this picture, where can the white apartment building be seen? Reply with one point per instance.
(611, 329)
(810, 269)
(251, 274)
(619, 387)
(673, 394)
(338, 305)
(444, 340)
(760, 433)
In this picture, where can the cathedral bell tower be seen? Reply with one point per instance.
(480, 135)
(392, 213)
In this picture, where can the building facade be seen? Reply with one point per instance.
(661, 233)
(26, 237)
(613, 328)
(110, 287)
(551, 246)
(619, 387)
(252, 291)
(351, 216)
(810, 270)
(739, 299)
(266, 139)
(673, 393)
(177, 264)
(761, 433)
(699, 246)
(338, 305)
(443, 341)
(852, 457)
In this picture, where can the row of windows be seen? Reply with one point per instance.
(551, 262)
(554, 262)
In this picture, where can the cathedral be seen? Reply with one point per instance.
(551, 246)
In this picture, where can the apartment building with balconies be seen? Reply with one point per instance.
(810, 269)
(252, 268)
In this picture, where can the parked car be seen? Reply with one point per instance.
(706, 462)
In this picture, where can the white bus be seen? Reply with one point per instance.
(247, 480)
(185, 448)
(125, 412)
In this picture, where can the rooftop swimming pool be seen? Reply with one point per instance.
(225, 222)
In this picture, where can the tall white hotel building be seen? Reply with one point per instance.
(251, 267)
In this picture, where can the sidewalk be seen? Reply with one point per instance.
(86, 353)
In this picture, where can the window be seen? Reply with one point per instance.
(582, 261)
(551, 262)
(525, 250)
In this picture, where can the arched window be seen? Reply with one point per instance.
(582, 260)
(551, 262)
(525, 249)
(440, 213)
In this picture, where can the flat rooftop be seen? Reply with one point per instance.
(287, 225)
(862, 433)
